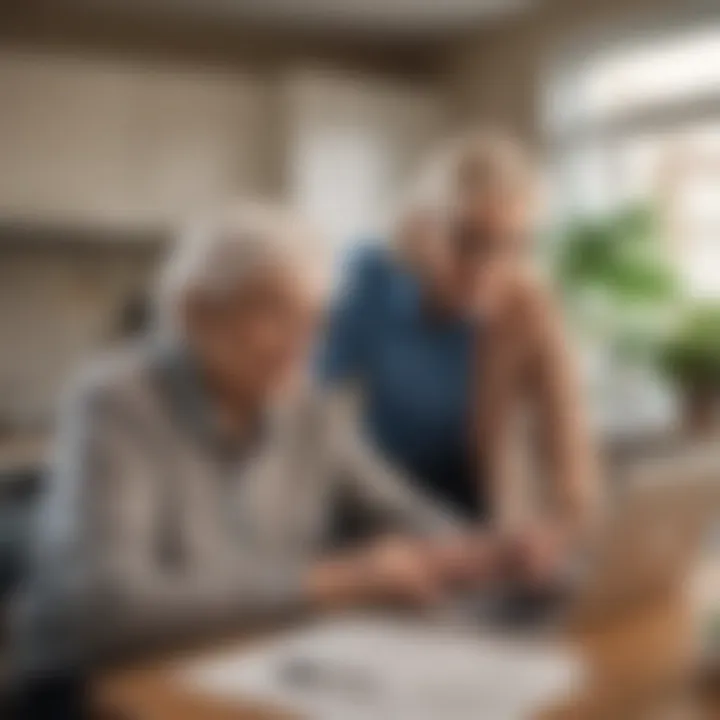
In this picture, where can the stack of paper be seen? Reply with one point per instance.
(357, 669)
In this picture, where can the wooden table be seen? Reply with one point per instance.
(637, 660)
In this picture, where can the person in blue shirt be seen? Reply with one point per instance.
(414, 370)
(451, 339)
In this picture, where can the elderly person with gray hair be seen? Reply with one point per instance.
(196, 479)
(453, 340)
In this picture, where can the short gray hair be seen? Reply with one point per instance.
(481, 160)
(214, 256)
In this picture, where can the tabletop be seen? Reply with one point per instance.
(639, 664)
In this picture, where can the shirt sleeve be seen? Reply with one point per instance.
(102, 512)
(343, 351)
(378, 489)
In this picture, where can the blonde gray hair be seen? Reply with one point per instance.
(215, 256)
(477, 162)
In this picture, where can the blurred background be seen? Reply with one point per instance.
(120, 118)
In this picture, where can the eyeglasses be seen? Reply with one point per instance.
(472, 244)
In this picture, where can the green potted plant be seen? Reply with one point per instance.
(620, 294)
(690, 358)
(615, 278)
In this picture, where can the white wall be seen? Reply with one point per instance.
(100, 141)
(114, 142)
(353, 142)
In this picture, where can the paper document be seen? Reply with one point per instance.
(362, 669)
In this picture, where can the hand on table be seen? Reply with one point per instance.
(389, 570)
(536, 554)
(399, 569)
(423, 572)
(464, 560)
(427, 571)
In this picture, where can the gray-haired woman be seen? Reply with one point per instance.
(195, 480)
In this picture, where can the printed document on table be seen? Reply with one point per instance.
(388, 669)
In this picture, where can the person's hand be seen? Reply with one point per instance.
(390, 570)
(464, 560)
(399, 569)
(536, 554)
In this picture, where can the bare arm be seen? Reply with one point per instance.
(567, 440)
(502, 475)
(529, 366)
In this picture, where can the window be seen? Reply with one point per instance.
(353, 142)
(643, 123)
(339, 180)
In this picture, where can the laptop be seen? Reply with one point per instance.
(651, 541)
(648, 545)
